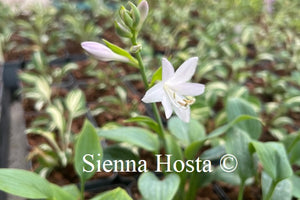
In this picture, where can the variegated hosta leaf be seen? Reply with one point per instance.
(75, 103)
(43, 87)
(57, 118)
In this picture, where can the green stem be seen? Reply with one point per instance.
(144, 77)
(241, 190)
(82, 190)
(271, 190)
(192, 190)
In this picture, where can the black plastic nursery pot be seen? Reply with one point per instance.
(4, 124)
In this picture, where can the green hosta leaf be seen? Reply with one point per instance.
(194, 147)
(296, 189)
(59, 193)
(39, 61)
(274, 159)
(75, 102)
(157, 76)
(153, 188)
(46, 134)
(112, 153)
(204, 69)
(236, 107)
(116, 194)
(30, 185)
(283, 190)
(24, 183)
(213, 153)
(187, 133)
(28, 78)
(68, 67)
(173, 149)
(120, 51)
(145, 120)
(57, 118)
(282, 121)
(132, 135)
(292, 102)
(232, 178)
(87, 143)
(237, 142)
(292, 145)
(191, 150)
(73, 190)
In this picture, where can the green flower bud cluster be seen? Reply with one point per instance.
(131, 20)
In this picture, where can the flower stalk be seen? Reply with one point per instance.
(145, 81)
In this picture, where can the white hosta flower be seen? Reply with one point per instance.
(174, 91)
(102, 52)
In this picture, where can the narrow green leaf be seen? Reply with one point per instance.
(132, 135)
(122, 52)
(153, 188)
(87, 143)
(146, 120)
(115, 194)
(157, 76)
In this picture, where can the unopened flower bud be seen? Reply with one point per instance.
(122, 30)
(135, 13)
(143, 7)
(102, 52)
(127, 19)
(135, 48)
(122, 11)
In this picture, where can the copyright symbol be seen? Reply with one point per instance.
(228, 163)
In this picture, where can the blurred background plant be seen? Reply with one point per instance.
(55, 113)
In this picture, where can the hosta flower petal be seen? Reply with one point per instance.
(167, 107)
(174, 92)
(183, 114)
(102, 52)
(185, 72)
(167, 70)
(154, 94)
(188, 89)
